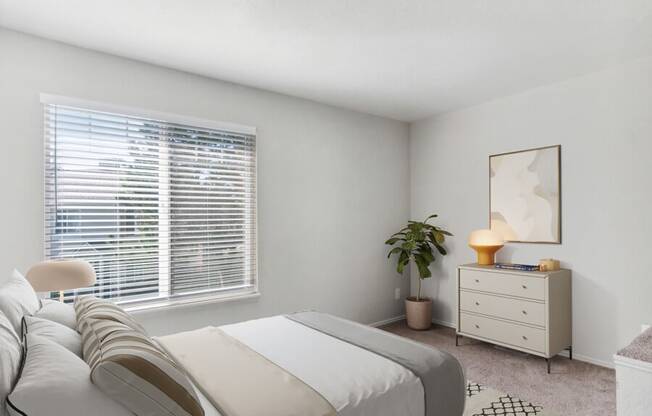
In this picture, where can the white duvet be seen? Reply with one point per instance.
(355, 381)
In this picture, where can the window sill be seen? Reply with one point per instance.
(152, 306)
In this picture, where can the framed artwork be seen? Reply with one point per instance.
(525, 195)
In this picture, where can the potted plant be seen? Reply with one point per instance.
(415, 242)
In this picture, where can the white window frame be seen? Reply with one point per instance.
(140, 306)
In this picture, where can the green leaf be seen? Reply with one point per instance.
(419, 237)
(426, 252)
(392, 240)
(439, 237)
(394, 251)
(403, 260)
(409, 245)
(431, 216)
(440, 249)
(416, 226)
(419, 259)
(424, 272)
(422, 265)
(444, 232)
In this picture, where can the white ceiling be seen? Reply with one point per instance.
(401, 59)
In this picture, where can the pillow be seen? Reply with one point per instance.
(90, 307)
(55, 381)
(59, 312)
(17, 298)
(94, 332)
(130, 368)
(54, 331)
(10, 354)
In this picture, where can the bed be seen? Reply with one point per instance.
(353, 380)
(303, 364)
(347, 373)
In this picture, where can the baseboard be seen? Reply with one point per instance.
(590, 360)
(444, 323)
(387, 321)
(621, 361)
(576, 356)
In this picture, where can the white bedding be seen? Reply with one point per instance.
(209, 409)
(355, 381)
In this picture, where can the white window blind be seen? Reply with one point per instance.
(162, 210)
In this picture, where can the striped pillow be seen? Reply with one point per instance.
(90, 307)
(94, 331)
(129, 367)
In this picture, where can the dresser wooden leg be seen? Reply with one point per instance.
(548, 363)
(457, 340)
(570, 352)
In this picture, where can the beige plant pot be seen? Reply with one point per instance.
(419, 313)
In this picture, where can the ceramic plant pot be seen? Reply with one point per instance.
(419, 313)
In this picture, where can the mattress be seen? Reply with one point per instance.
(353, 380)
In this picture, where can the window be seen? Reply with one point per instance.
(164, 209)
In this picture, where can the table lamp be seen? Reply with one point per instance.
(60, 275)
(486, 243)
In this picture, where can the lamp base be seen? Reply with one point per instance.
(486, 254)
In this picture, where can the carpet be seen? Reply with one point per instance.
(574, 388)
(484, 401)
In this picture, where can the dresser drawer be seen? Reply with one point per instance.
(514, 309)
(508, 333)
(503, 283)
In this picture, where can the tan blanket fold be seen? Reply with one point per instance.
(240, 382)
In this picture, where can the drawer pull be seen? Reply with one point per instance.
(477, 304)
(524, 312)
(477, 280)
(524, 287)
(477, 326)
(524, 337)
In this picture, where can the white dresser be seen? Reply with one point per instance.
(526, 311)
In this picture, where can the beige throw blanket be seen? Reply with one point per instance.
(240, 382)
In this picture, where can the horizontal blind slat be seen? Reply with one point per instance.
(161, 210)
(139, 125)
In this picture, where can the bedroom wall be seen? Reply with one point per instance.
(604, 123)
(332, 183)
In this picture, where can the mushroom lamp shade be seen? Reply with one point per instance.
(486, 243)
(59, 275)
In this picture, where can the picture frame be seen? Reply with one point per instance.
(525, 195)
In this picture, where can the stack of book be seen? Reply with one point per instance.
(514, 266)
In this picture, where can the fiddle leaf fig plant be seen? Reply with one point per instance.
(418, 242)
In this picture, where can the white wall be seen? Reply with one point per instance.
(604, 123)
(333, 184)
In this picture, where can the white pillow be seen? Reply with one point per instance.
(10, 354)
(59, 312)
(54, 331)
(17, 299)
(55, 381)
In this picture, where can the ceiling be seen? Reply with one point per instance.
(404, 59)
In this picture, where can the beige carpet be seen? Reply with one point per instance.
(573, 389)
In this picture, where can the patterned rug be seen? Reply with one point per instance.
(484, 401)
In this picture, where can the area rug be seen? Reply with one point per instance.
(485, 401)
